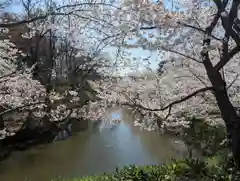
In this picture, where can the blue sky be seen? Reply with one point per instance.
(139, 53)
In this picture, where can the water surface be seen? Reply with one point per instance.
(92, 151)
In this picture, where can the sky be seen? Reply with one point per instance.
(138, 53)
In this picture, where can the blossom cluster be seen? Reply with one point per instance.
(176, 82)
(19, 91)
(180, 76)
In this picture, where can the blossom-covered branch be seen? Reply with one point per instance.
(54, 13)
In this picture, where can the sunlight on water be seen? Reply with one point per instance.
(116, 115)
(110, 120)
(92, 152)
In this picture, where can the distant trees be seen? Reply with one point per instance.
(40, 49)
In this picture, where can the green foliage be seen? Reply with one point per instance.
(204, 137)
(187, 169)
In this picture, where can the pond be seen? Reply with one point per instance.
(93, 151)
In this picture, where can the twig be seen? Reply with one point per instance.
(198, 29)
(234, 80)
(21, 107)
(182, 54)
(7, 75)
(8, 25)
(224, 61)
(184, 24)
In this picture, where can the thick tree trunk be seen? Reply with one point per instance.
(232, 122)
(228, 112)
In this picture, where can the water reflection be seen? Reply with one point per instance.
(91, 152)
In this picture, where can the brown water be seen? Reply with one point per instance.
(92, 152)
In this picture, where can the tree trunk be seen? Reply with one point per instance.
(228, 112)
(232, 122)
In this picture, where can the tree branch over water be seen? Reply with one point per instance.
(169, 106)
(72, 106)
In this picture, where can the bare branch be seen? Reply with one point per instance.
(169, 106)
(234, 80)
(224, 61)
(198, 29)
(21, 107)
(8, 25)
(7, 75)
(183, 24)
(148, 28)
(197, 76)
(182, 54)
(72, 106)
(228, 22)
(88, 4)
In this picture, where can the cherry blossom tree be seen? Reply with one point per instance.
(200, 75)
(20, 92)
(34, 98)
(198, 42)
(204, 42)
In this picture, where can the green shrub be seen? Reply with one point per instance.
(188, 169)
(204, 137)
